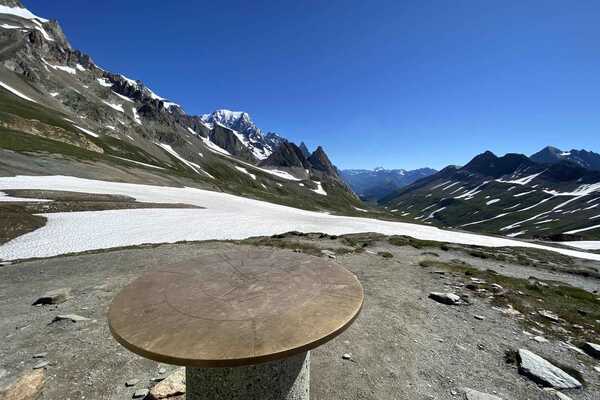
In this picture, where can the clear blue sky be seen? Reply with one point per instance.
(401, 84)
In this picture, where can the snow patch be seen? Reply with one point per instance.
(16, 92)
(245, 171)
(86, 131)
(319, 189)
(117, 107)
(225, 217)
(195, 167)
(104, 82)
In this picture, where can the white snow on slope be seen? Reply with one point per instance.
(584, 244)
(524, 193)
(214, 148)
(492, 202)
(589, 228)
(7, 26)
(6, 198)
(16, 92)
(245, 171)
(104, 82)
(138, 162)
(20, 12)
(225, 217)
(117, 107)
(195, 167)
(80, 67)
(522, 181)
(319, 189)
(65, 68)
(123, 97)
(136, 116)
(87, 131)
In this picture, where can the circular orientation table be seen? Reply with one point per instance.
(241, 322)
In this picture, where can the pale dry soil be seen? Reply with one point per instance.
(403, 345)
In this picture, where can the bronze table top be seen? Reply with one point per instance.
(240, 308)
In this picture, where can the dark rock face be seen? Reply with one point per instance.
(287, 155)
(319, 161)
(583, 158)
(304, 150)
(488, 164)
(226, 139)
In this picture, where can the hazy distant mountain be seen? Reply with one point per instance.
(552, 155)
(380, 182)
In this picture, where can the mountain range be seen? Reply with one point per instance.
(552, 195)
(61, 113)
(372, 185)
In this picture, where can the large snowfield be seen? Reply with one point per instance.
(224, 216)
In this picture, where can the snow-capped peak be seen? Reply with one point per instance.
(21, 12)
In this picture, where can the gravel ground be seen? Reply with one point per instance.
(403, 345)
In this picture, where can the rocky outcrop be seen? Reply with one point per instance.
(545, 373)
(28, 387)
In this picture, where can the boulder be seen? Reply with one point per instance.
(543, 372)
(592, 349)
(55, 296)
(471, 394)
(445, 298)
(172, 385)
(28, 387)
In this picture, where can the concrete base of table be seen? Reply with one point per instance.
(286, 379)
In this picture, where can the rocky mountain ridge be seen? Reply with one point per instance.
(511, 195)
(74, 101)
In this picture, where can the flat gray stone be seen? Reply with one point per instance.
(132, 382)
(445, 298)
(471, 394)
(70, 317)
(41, 365)
(543, 372)
(56, 296)
(140, 393)
(549, 315)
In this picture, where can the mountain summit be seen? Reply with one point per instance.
(552, 155)
(62, 110)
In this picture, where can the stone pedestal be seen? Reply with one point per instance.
(286, 379)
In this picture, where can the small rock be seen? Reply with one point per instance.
(479, 317)
(509, 310)
(41, 365)
(70, 317)
(496, 288)
(445, 298)
(28, 387)
(328, 253)
(592, 349)
(141, 393)
(347, 356)
(132, 382)
(40, 355)
(597, 369)
(157, 378)
(173, 385)
(56, 296)
(471, 394)
(540, 339)
(549, 315)
(162, 370)
(541, 371)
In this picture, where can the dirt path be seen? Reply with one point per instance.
(403, 345)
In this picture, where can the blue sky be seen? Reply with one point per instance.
(399, 84)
